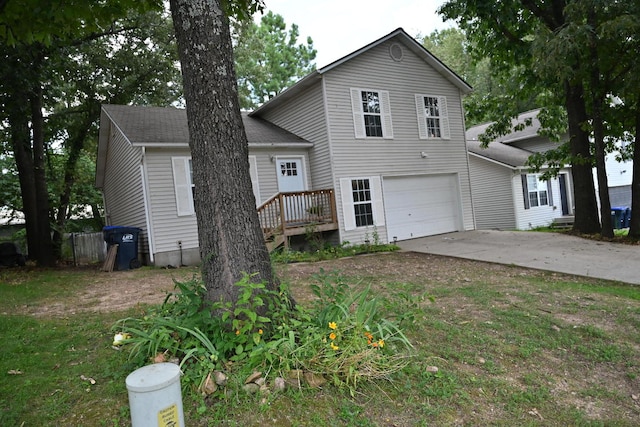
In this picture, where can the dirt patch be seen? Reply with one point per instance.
(115, 291)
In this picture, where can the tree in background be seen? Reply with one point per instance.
(268, 58)
(506, 33)
(51, 90)
(453, 48)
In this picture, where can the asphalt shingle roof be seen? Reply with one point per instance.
(158, 125)
(499, 149)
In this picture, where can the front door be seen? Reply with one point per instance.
(290, 171)
(290, 174)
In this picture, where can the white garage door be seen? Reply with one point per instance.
(418, 206)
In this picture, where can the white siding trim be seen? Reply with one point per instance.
(377, 203)
(255, 184)
(347, 204)
(358, 114)
(182, 185)
(385, 111)
(147, 207)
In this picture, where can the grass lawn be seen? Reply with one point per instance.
(511, 346)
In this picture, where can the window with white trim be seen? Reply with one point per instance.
(362, 206)
(535, 191)
(183, 185)
(371, 113)
(433, 117)
(362, 203)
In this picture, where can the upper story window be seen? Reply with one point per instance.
(535, 191)
(433, 117)
(371, 113)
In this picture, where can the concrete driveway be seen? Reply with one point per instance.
(544, 251)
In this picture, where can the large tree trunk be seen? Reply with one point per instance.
(231, 241)
(21, 146)
(586, 208)
(634, 225)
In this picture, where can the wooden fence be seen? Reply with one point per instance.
(84, 248)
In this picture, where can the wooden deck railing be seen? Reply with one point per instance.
(288, 214)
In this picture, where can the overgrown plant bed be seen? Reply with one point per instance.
(499, 345)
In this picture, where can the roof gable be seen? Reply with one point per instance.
(398, 35)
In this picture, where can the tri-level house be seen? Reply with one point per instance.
(371, 145)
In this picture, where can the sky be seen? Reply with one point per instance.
(339, 27)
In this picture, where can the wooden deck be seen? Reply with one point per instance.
(296, 213)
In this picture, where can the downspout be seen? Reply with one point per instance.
(147, 206)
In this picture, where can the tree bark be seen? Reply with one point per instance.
(230, 237)
(586, 208)
(21, 146)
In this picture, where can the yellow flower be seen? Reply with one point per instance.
(334, 347)
(332, 336)
(332, 325)
(381, 343)
(237, 331)
(260, 331)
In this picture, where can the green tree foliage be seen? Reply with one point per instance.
(51, 93)
(268, 58)
(507, 33)
(453, 48)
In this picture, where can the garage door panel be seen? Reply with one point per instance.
(420, 206)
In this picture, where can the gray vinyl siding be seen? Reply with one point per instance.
(375, 69)
(492, 194)
(123, 187)
(168, 227)
(305, 117)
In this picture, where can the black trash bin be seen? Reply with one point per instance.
(627, 218)
(127, 240)
(617, 217)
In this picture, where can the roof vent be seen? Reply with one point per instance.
(396, 52)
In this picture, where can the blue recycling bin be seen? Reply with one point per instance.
(127, 240)
(618, 216)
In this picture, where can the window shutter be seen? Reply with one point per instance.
(358, 115)
(253, 172)
(377, 204)
(385, 111)
(182, 185)
(549, 193)
(422, 118)
(525, 190)
(444, 117)
(347, 204)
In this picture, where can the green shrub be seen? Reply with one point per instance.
(343, 337)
